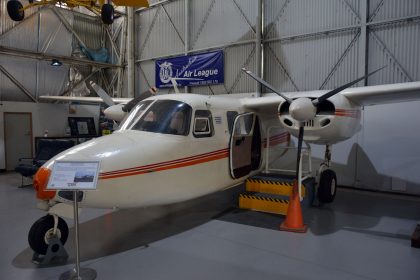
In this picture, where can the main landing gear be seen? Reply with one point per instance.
(44, 229)
(327, 186)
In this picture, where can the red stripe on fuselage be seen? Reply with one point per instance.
(352, 113)
(193, 160)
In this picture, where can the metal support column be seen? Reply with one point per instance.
(258, 49)
(130, 53)
(186, 31)
(363, 44)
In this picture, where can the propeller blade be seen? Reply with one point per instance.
(343, 87)
(102, 94)
(267, 85)
(299, 151)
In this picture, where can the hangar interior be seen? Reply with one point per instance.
(295, 45)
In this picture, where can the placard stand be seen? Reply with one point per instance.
(78, 272)
(75, 176)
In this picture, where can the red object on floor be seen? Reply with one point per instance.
(294, 218)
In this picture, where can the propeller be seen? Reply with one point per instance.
(304, 109)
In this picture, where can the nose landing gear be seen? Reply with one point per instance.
(44, 229)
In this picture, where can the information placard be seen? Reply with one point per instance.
(74, 175)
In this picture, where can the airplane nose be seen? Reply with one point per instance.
(40, 184)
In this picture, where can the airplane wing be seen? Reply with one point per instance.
(83, 99)
(382, 94)
(363, 96)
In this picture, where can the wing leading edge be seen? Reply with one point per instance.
(83, 99)
(363, 96)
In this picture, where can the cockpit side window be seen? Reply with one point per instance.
(165, 116)
(203, 124)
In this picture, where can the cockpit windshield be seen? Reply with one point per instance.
(134, 115)
(163, 116)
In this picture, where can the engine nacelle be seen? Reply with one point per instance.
(337, 119)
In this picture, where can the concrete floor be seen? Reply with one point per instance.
(360, 236)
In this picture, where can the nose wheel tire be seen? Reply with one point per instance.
(42, 231)
(15, 10)
(107, 14)
(327, 186)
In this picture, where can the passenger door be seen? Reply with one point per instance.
(241, 145)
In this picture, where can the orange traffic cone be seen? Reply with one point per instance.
(294, 219)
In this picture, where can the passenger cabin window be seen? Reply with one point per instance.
(231, 115)
(165, 116)
(203, 124)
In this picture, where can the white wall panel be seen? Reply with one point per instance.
(389, 147)
(51, 117)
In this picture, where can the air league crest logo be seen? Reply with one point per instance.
(165, 72)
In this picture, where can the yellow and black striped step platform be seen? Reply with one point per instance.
(267, 185)
(263, 203)
(270, 193)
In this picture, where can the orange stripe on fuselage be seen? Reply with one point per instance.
(161, 167)
(155, 165)
(352, 113)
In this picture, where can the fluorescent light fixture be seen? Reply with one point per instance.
(56, 62)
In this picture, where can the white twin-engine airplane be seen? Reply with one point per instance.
(175, 147)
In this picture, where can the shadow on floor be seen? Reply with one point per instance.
(124, 230)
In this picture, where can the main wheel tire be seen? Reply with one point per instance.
(15, 10)
(42, 230)
(327, 186)
(107, 13)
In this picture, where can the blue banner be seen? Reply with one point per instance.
(191, 70)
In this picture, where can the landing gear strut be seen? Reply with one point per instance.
(44, 229)
(327, 186)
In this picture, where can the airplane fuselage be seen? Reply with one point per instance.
(143, 168)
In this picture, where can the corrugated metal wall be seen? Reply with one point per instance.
(43, 32)
(213, 24)
(307, 44)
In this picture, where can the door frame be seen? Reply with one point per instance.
(250, 134)
(5, 134)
